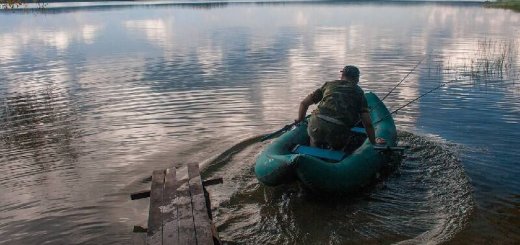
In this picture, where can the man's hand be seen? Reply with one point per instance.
(380, 141)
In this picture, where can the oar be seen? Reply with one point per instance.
(285, 128)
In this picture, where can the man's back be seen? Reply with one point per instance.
(342, 100)
(342, 103)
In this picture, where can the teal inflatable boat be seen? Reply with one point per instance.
(288, 159)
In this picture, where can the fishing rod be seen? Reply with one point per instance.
(410, 102)
(404, 78)
(289, 126)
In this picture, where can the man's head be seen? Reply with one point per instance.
(350, 73)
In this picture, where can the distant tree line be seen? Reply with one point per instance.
(12, 4)
(9, 4)
(507, 4)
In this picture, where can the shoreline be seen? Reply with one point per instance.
(505, 4)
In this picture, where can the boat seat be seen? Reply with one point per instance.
(319, 152)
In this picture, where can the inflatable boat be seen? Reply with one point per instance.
(288, 158)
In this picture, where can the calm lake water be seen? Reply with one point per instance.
(92, 99)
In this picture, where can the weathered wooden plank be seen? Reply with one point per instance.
(155, 216)
(201, 219)
(169, 209)
(200, 214)
(138, 239)
(184, 210)
(194, 173)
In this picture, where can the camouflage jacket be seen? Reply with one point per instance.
(341, 100)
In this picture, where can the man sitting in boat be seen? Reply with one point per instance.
(342, 104)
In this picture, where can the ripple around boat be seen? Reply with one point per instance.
(277, 164)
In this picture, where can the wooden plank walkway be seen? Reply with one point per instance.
(179, 212)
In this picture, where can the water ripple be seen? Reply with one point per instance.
(427, 199)
(89, 104)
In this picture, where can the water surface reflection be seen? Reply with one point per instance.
(92, 99)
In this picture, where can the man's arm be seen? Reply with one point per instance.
(312, 98)
(367, 122)
(304, 105)
(369, 128)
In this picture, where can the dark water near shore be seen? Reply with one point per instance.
(93, 99)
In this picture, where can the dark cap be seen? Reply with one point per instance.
(350, 71)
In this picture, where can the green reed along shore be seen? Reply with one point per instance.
(507, 4)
